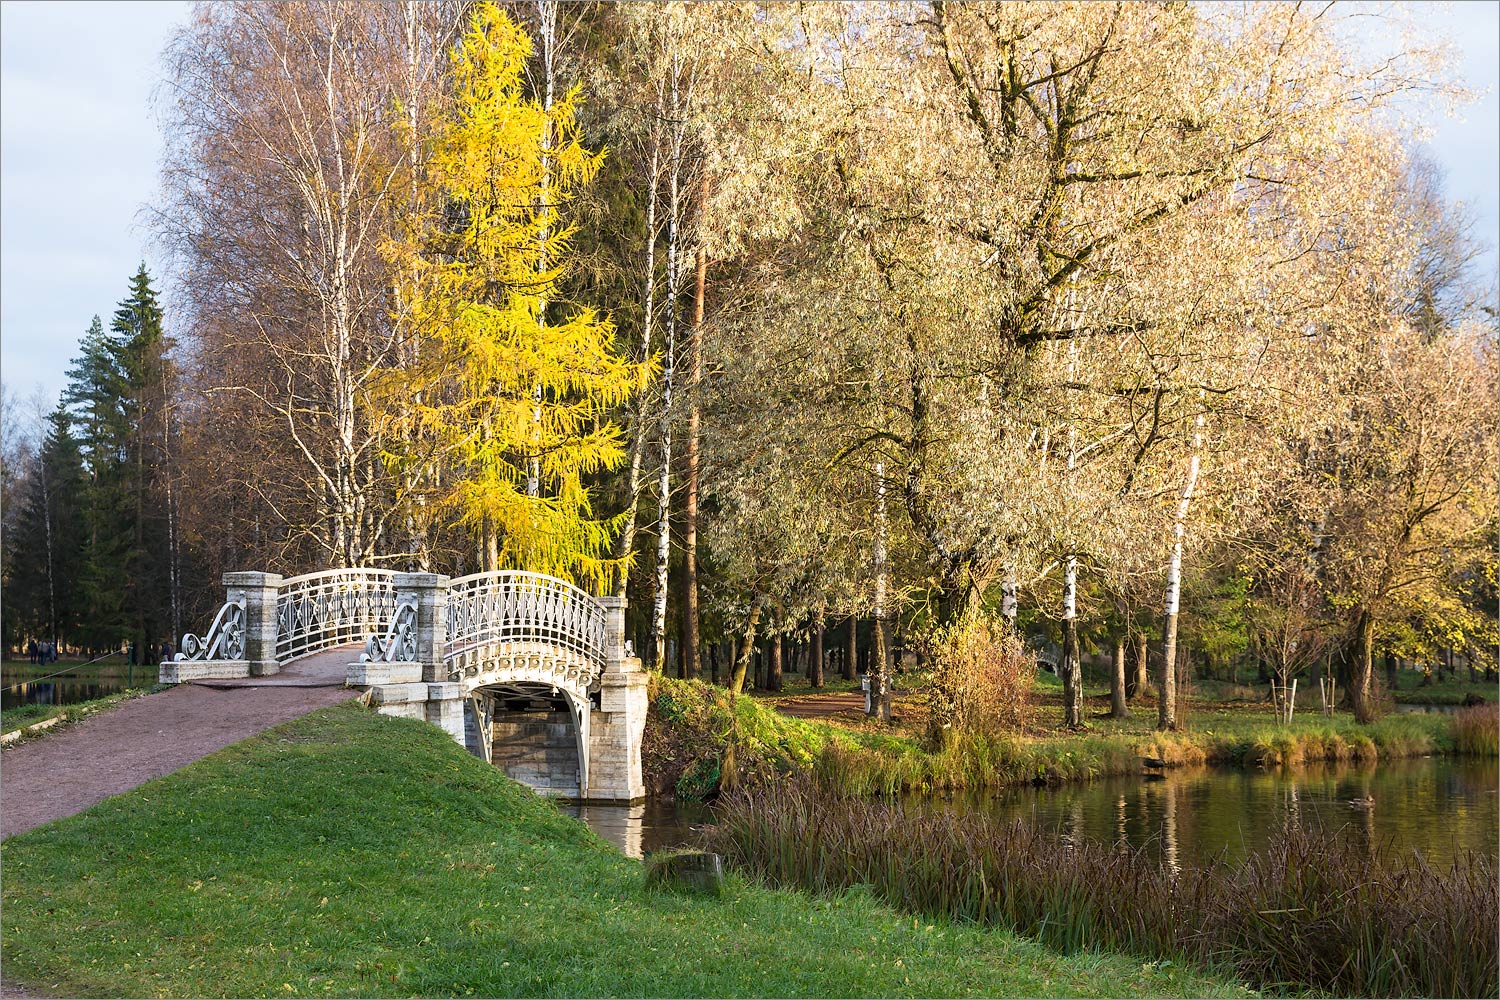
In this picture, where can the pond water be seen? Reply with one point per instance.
(641, 829)
(65, 683)
(1429, 709)
(1441, 807)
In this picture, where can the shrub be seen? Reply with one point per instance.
(698, 740)
(980, 677)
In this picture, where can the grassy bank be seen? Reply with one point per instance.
(1310, 912)
(1476, 731)
(351, 854)
(29, 715)
(696, 738)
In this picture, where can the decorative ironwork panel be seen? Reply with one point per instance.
(224, 640)
(321, 610)
(399, 643)
(512, 606)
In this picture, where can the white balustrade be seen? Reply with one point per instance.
(514, 608)
(485, 613)
(318, 611)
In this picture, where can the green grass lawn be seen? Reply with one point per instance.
(351, 854)
(1411, 691)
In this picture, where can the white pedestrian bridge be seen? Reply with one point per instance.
(527, 670)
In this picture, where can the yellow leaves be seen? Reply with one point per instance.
(505, 391)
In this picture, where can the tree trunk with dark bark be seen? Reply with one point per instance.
(851, 650)
(815, 654)
(1166, 698)
(1071, 669)
(1142, 665)
(747, 649)
(773, 671)
(880, 681)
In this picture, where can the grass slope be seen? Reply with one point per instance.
(351, 854)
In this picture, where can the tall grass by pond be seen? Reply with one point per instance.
(977, 760)
(1476, 731)
(1311, 912)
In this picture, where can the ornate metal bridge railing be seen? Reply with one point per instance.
(225, 638)
(512, 606)
(267, 621)
(318, 611)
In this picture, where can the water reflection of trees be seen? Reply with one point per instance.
(1438, 806)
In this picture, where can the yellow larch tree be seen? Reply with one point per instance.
(503, 388)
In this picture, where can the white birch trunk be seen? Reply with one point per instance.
(625, 547)
(1072, 666)
(1167, 711)
(1008, 603)
(664, 482)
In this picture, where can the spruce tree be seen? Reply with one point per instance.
(44, 585)
(120, 391)
(95, 394)
(141, 353)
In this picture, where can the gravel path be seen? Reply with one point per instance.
(79, 764)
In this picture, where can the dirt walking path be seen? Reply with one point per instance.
(819, 705)
(82, 763)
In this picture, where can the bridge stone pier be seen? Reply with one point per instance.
(509, 664)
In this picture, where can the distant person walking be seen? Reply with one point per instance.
(32, 653)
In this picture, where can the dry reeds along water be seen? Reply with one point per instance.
(1310, 911)
(1476, 730)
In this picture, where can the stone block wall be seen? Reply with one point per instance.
(538, 749)
(616, 730)
(182, 671)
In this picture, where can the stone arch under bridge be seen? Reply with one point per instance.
(472, 655)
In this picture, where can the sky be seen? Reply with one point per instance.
(80, 148)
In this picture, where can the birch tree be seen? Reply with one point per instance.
(280, 184)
